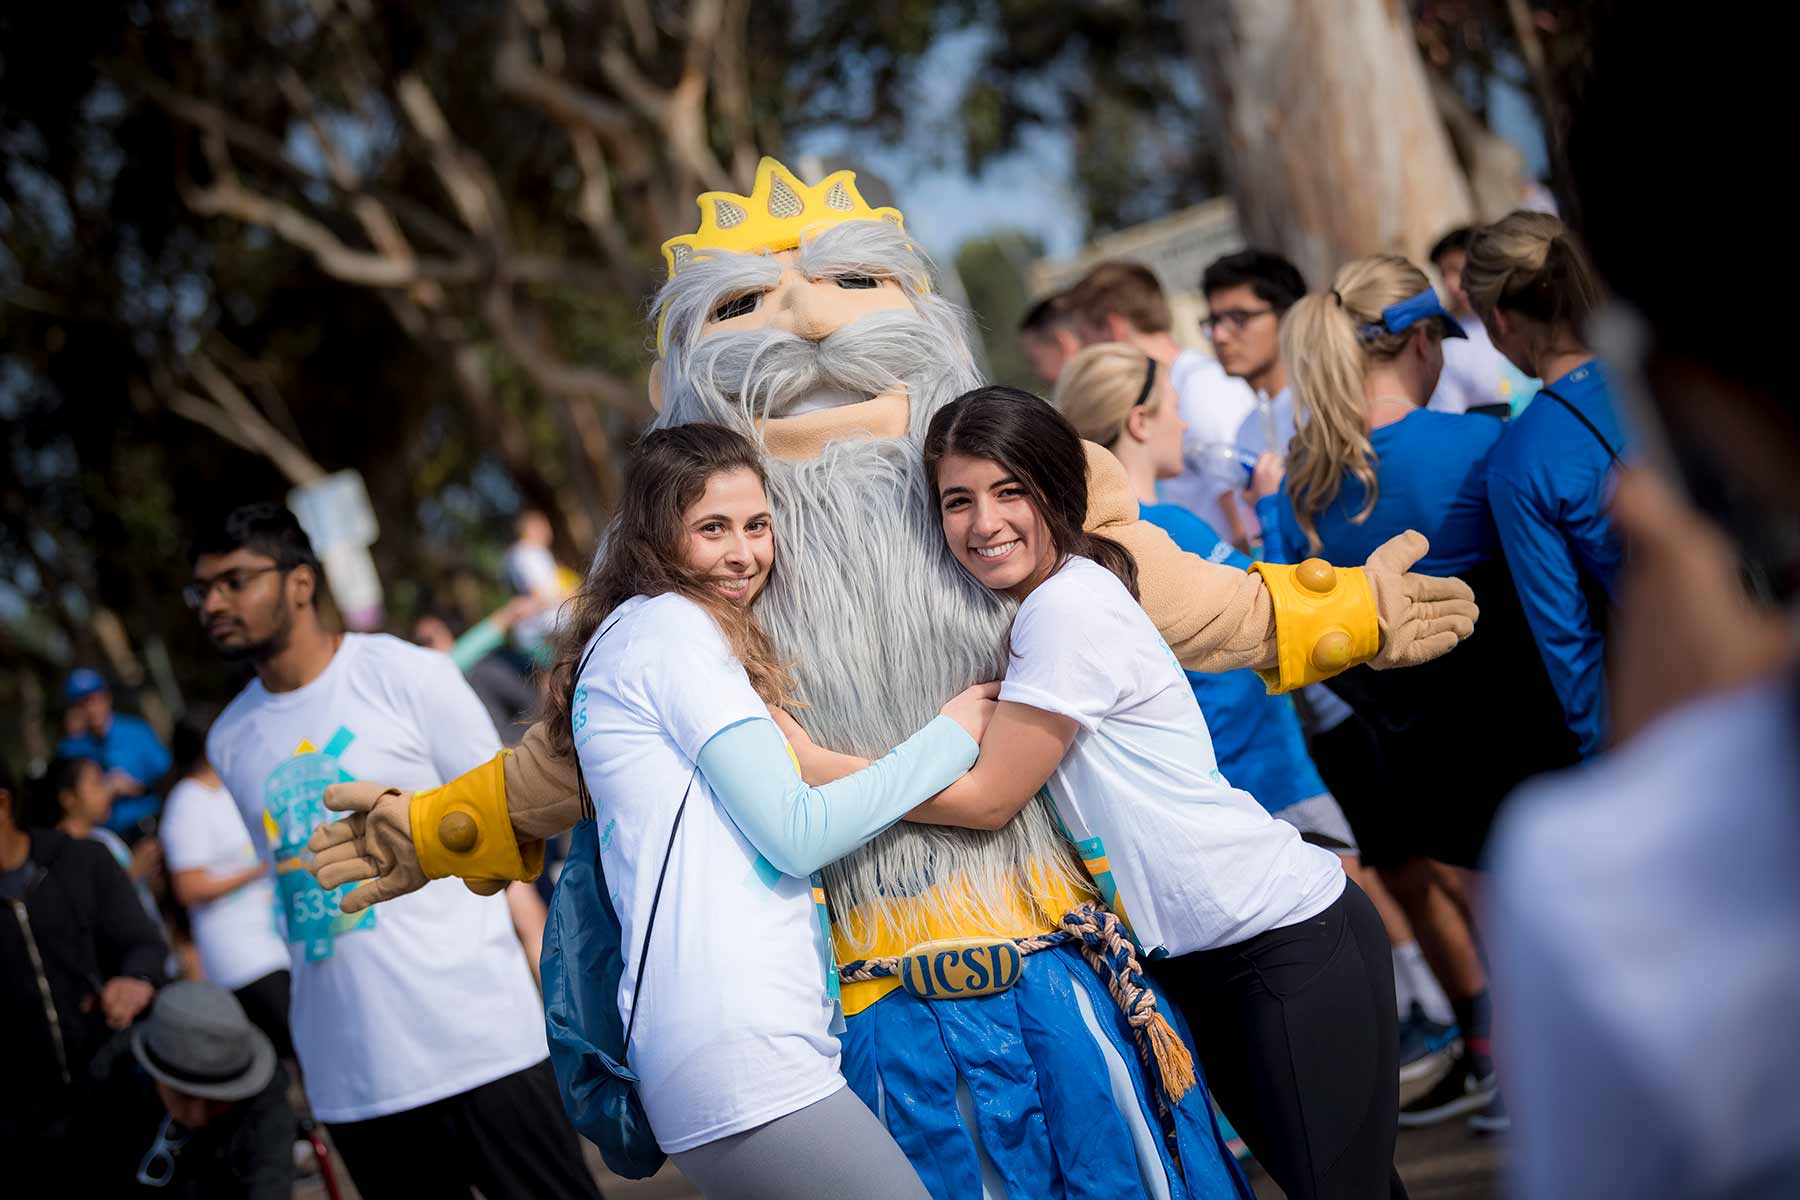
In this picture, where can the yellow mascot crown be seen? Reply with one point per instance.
(776, 214)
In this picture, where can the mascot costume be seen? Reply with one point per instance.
(808, 319)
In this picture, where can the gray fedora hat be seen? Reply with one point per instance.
(198, 1041)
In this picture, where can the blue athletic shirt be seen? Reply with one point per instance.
(1256, 736)
(1432, 472)
(1547, 484)
(130, 745)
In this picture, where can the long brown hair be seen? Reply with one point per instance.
(643, 556)
(1038, 447)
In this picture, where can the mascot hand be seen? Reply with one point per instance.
(373, 843)
(1422, 616)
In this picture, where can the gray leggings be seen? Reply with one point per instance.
(826, 1151)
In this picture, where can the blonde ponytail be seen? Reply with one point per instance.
(1098, 389)
(1326, 356)
(1530, 264)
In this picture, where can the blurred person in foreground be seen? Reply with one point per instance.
(1658, 977)
(1477, 378)
(1047, 337)
(417, 1027)
(227, 1129)
(126, 748)
(1122, 301)
(228, 891)
(1529, 279)
(79, 960)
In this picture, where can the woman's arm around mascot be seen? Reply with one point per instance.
(1293, 624)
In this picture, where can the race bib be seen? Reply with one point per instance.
(293, 806)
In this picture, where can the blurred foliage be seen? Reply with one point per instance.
(176, 174)
(994, 276)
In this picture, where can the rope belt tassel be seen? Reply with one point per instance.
(1100, 937)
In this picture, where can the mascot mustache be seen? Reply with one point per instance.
(771, 373)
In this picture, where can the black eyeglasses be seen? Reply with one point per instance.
(234, 582)
(1233, 319)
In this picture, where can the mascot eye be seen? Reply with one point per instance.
(737, 306)
(858, 281)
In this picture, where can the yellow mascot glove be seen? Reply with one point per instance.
(1325, 621)
(462, 828)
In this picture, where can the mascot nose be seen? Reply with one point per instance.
(810, 313)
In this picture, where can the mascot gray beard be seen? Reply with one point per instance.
(865, 603)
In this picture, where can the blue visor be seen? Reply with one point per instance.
(83, 682)
(1396, 318)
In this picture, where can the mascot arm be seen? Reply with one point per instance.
(1294, 625)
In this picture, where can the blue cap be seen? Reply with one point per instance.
(1396, 318)
(82, 683)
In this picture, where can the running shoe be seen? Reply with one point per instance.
(1492, 1119)
(1423, 1044)
(1461, 1090)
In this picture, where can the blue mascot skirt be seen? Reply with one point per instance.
(1041, 1092)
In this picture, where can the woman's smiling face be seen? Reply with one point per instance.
(991, 525)
(730, 536)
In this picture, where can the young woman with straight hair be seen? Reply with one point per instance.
(1529, 281)
(660, 692)
(1278, 962)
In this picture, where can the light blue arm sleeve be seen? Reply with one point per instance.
(800, 828)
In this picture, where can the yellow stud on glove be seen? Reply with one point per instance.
(1325, 621)
(463, 829)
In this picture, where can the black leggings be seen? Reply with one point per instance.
(265, 1002)
(1297, 1034)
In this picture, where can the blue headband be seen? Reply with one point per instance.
(1396, 318)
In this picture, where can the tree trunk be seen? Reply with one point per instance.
(1336, 149)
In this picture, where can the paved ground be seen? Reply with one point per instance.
(1445, 1163)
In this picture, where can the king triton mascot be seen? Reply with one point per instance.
(808, 319)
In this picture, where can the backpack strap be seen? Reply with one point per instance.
(587, 799)
(655, 902)
(1582, 417)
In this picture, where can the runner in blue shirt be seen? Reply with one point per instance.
(1367, 463)
(133, 756)
(1547, 479)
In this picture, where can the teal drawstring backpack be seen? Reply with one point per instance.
(581, 966)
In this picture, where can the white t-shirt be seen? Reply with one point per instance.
(733, 1023)
(1196, 863)
(531, 571)
(237, 934)
(1475, 373)
(1646, 940)
(425, 996)
(1214, 405)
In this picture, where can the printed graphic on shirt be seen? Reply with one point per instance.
(293, 806)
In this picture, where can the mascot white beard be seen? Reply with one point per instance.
(866, 605)
(880, 626)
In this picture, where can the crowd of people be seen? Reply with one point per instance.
(1310, 889)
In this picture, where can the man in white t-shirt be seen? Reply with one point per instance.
(1477, 378)
(1120, 301)
(417, 1028)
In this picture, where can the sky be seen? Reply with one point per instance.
(1031, 189)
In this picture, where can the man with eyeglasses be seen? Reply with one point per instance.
(1119, 301)
(417, 1026)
